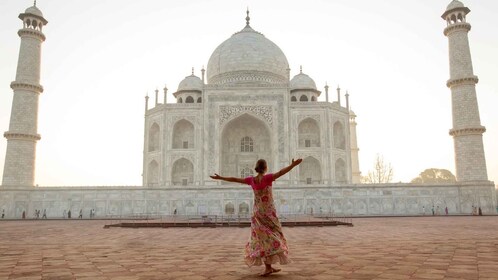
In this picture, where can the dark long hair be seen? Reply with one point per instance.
(260, 166)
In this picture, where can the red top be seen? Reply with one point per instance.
(265, 182)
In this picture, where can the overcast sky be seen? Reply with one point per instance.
(102, 56)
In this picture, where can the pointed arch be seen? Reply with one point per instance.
(154, 135)
(340, 171)
(179, 100)
(189, 99)
(303, 98)
(183, 135)
(313, 98)
(243, 208)
(229, 208)
(153, 174)
(182, 173)
(339, 136)
(308, 133)
(293, 98)
(236, 153)
(199, 100)
(310, 171)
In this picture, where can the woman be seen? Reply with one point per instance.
(267, 244)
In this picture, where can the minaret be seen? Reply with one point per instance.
(467, 129)
(19, 169)
(355, 162)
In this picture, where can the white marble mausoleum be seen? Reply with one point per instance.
(245, 106)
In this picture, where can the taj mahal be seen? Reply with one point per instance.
(245, 106)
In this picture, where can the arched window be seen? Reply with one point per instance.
(182, 173)
(339, 136)
(308, 133)
(246, 144)
(180, 100)
(246, 172)
(243, 208)
(340, 171)
(310, 171)
(303, 98)
(189, 99)
(154, 138)
(229, 208)
(183, 135)
(199, 100)
(313, 98)
(153, 174)
(293, 99)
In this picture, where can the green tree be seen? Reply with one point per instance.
(434, 175)
(382, 172)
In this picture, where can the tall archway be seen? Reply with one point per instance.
(153, 174)
(339, 136)
(182, 173)
(340, 171)
(154, 133)
(183, 135)
(310, 171)
(309, 133)
(238, 134)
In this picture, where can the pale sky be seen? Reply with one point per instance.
(102, 56)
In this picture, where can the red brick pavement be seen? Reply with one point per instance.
(375, 248)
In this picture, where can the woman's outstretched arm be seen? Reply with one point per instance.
(228, 179)
(284, 170)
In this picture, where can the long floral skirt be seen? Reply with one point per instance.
(267, 244)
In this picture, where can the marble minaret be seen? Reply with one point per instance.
(22, 136)
(467, 129)
(355, 162)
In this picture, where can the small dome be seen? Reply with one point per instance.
(455, 4)
(191, 83)
(34, 11)
(302, 81)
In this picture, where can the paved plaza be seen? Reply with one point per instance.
(375, 248)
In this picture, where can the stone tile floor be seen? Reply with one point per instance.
(375, 248)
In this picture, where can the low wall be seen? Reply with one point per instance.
(365, 199)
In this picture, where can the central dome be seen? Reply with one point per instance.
(247, 57)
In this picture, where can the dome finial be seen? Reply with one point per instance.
(34, 4)
(192, 71)
(247, 17)
(300, 69)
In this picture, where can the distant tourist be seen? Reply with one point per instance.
(3, 213)
(480, 211)
(24, 214)
(69, 214)
(446, 210)
(432, 210)
(44, 214)
(267, 244)
(81, 214)
(174, 212)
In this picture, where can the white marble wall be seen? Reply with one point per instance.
(360, 200)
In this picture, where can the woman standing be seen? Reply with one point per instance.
(267, 244)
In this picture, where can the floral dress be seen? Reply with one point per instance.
(267, 244)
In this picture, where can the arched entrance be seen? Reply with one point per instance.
(244, 140)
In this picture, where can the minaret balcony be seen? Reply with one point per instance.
(462, 81)
(457, 27)
(26, 86)
(29, 32)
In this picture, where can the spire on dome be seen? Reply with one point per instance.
(247, 17)
(192, 71)
(300, 69)
(34, 4)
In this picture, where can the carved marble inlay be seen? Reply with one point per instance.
(228, 112)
